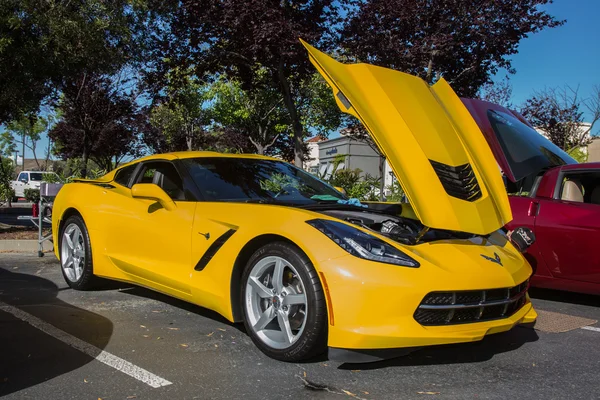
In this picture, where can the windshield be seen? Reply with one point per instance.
(255, 180)
(526, 151)
(36, 176)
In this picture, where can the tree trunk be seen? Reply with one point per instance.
(35, 155)
(84, 158)
(23, 153)
(47, 161)
(296, 124)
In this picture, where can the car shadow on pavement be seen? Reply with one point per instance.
(181, 304)
(457, 353)
(565, 297)
(28, 355)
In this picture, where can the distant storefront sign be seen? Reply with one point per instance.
(331, 151)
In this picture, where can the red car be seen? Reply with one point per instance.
(551, 194)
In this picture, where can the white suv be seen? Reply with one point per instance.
(28, 180)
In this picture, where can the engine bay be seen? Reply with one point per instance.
(400, 229)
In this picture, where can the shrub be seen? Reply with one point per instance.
(7, 171)
(32, 195)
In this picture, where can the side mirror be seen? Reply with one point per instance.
(340, 189)
(150, 191)
(24, 180)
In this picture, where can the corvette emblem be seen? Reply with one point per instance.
(496, 259)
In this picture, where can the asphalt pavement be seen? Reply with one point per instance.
(125, 342)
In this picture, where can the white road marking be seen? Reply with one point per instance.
(103, 356)
(591, 328)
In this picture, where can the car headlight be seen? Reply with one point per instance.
(361, 244)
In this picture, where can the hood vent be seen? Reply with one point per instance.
(459, 182)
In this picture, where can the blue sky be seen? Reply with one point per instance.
(567, 55)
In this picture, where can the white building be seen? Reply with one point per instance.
(354, 154)
(594, 150)
(312, 163)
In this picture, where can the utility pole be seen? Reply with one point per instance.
(23, 153)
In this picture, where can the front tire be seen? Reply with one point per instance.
(283, 303)
(76, 254)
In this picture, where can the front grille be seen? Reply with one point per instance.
(450, 308)
(459, 182)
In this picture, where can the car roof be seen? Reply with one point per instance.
(199, 154)
(590, 165)
(180, 155)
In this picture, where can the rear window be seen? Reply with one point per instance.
(526, 151)
(123, 176)
(36, 176)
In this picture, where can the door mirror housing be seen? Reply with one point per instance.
(340, 189)
(150, 191)
(24, 180)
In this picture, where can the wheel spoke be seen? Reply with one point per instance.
(76, 236)
(260, 289)
(292, 299)
(284, 324)
(277, 280)
(266, 317)
(78, 271)
(69, 261)
(69, 241)
(79, 253)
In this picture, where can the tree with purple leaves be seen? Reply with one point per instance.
(100, 121)
(466, 42)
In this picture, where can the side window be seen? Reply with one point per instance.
(163, 174)
(581, 187)
(123, 176)
(23, 177)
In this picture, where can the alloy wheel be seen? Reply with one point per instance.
(72, 253)
(276, 302)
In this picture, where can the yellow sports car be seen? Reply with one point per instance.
(303, 267)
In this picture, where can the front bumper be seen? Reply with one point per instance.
(372, 305)
(365, 355)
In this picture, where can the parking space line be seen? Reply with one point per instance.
(591, 328)
(104, 357)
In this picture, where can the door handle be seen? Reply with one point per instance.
(534, 208)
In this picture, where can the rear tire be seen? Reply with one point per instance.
(283, 303)
(76, 254)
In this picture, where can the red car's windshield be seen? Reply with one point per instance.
(526, 151)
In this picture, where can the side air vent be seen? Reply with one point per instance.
(459, 182)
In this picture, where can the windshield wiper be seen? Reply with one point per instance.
(263, 201)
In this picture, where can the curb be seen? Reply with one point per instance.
(23, 246)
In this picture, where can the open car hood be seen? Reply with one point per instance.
(432, 143)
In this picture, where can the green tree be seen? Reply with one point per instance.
(45, 43)
(25, 132)
(258, 113)
(180, 117)
(7, 172)
(241, 37)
